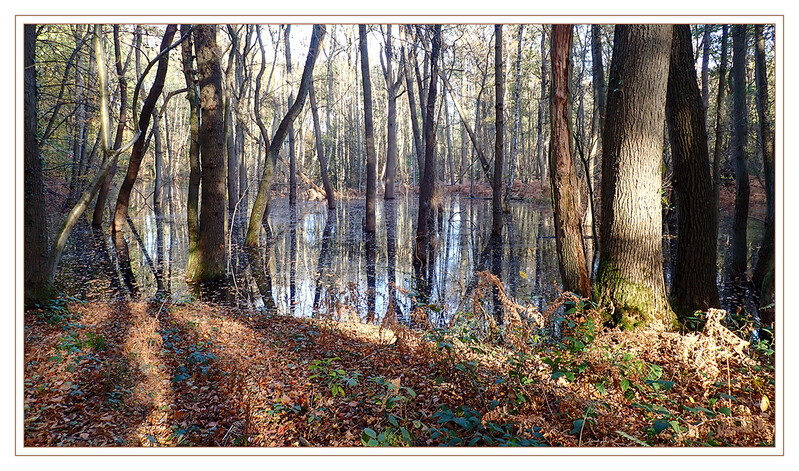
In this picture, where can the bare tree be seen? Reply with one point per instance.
(499, 143)
(563, 175)
(262, 198)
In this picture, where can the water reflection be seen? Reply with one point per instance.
(318, 262)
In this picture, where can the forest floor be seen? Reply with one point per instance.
(149, 374)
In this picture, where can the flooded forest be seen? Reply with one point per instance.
(396, 235)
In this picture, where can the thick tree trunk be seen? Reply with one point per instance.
(563, 175)
(630, 274)
(739, 136)
(371, 159)
(499, 142)
(694, 282)
(765, 256)
(211, 254)
(38, 289)
(424, 219)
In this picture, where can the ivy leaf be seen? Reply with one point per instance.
(660, 425)
(578, 426)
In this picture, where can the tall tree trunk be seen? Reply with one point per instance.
(102, 195)
(539, 151)
(159, 163)
(211, 254)
(514, 151)
(193, 198)
(79, 117)
(230, 100)
(108, 157)
(721, 100)
(499, 143)
(38, 289)
(392, 86)
(424, 218)
(739, 135)
(137, 154)
(598, 72)
(320, 150)
(694, 282)
(292, 153)
(765, 256)
(563, 175)
(417, 139)
(630, 274)
(448, 130)
(371, 159)
(262, 198)
(472, 133)
(706, 67)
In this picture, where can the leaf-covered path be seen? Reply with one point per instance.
(139, 374)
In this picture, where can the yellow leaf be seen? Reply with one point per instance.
(764, 404)
(396, 383)
(523, 274)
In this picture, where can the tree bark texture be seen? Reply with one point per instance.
(563, 175)
(765, 256)
(630, 273)
(193, 199)
(211, 261)
(694, 282)
(38, 289)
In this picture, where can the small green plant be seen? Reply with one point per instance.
(57, 310)
(464, 426)
(334, 378)
(72, 342)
